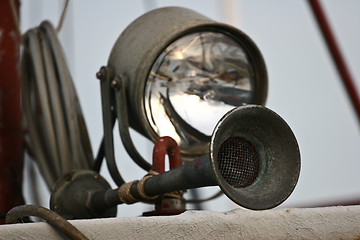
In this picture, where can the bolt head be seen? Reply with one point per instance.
(115, 84)
(100, 75)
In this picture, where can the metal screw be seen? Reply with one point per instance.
(100, 75)
(56, 207)
(115, 83)
(96, 176)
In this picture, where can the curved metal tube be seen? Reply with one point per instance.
(51, 217)
(166, 145)
(123, 120)
(108, 115)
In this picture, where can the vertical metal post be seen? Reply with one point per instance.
(11, 132)
(336, 55)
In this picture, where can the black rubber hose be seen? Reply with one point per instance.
(51, 217)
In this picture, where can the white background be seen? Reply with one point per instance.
(304, 87)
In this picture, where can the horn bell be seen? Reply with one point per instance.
(255, 157)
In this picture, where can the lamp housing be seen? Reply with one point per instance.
(195, 93)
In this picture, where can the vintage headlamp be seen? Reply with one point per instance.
(174, 72)
(183, 72)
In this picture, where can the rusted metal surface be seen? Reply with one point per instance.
(11, 132)
(169, 203)
(166, 145)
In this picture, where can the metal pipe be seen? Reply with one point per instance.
(11, 131)
(336, 55)
(193, 174)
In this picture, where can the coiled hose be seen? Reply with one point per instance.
(56, 135)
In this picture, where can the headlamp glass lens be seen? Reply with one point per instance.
(193, 83)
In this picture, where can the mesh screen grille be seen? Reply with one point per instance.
(238, 162)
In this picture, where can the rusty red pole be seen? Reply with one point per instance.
(336, 55)
(11, 132)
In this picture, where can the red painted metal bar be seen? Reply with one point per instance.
(163, 146)
(336, 55)
(11, 132)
